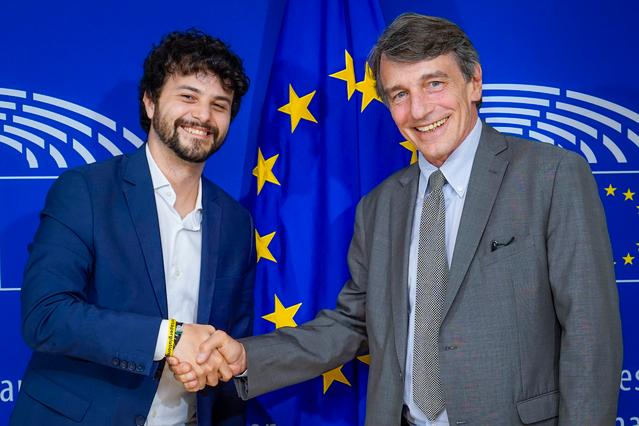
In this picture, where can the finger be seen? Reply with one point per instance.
(212, 379)
(206, 348)
(185, 378)
(201, 376)
(225, 373)
(171, 360)
(191, 386)
(182, 368)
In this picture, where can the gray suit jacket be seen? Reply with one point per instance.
(531, 331)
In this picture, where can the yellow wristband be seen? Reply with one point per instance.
(170, 343)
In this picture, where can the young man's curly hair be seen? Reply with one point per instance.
(186, 53)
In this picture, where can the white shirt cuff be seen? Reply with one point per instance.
(160, 345)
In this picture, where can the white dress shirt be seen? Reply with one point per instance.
(181, 253)
(456, 170)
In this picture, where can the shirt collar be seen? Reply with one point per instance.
(162, 186)
(458, 165)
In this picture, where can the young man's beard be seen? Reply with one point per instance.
(195, 152)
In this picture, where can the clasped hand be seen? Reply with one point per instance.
(204, 356)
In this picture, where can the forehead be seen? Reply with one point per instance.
(205, 82)
(400, 73)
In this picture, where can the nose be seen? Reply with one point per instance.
(201, 112)
(421, 106)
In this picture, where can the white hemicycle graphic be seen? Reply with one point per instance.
(604, 132)
(52, 134)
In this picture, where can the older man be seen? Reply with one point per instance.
(481, 277)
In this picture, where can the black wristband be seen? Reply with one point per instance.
(179, 328)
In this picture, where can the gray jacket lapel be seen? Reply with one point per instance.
(402, 213)
(485, 179)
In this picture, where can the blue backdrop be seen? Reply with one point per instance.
(557, 72)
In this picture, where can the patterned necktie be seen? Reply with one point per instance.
(432, 278)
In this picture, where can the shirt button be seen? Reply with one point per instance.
(178, 272)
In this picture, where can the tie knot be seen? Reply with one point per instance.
(436, 180)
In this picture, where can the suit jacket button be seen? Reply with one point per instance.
(115, 362)
(139, 368)
(450, 348)
(132, 366)
(461, 422)
(140, 420)
(124, 364)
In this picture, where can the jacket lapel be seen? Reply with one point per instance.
(211, 220)
(485, 179)
(140, 198)
(401, 222)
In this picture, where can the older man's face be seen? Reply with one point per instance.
(431, 103)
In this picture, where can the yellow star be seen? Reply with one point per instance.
(367, 87)
(297, 107)
(366, 359)
(627, 259)
(335, 375)
(610, 190)
(629, 194)
(282, 317)
(261, 245)
(347, 74)
(264, 170)
(409, 146)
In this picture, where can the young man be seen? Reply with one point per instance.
(134, 250)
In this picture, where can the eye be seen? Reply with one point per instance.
(436, 85)
(220, 106)
(187, 97)
(399, 96)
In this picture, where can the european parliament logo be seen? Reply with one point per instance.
(41, 136)
(605, 133)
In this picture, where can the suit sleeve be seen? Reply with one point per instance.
(292, 355)
(56, 315)
(585, 297)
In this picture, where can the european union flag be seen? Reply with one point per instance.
(325, 139)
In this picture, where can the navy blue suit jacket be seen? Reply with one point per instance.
(94, 295)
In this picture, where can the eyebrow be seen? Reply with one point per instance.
(198, 91)
(428, 76)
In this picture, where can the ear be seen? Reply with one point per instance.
(476, 84)
(149, 105)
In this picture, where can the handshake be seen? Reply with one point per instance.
(204, 356)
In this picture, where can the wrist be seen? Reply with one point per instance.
(171, 337)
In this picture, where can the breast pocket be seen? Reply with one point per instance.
(504, 248)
